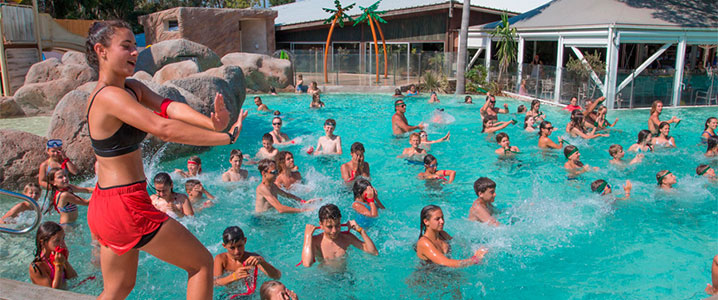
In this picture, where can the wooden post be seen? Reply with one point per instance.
(38, 36)
(3, 64)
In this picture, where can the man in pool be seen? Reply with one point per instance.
(399, 124)
(266, 195)
(333, 243)
(483, 208)
(489, 109)
(260, 106)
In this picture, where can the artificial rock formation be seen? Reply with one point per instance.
(20, 155)
(262, 71)
(163, 53)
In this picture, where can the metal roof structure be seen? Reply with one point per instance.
(311, 10)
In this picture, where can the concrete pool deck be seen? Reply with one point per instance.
(16, 290)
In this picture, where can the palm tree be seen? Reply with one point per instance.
(461, 60)
(507, 46)
(372, 17)
(337, 17)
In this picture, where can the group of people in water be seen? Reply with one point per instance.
(124, 218)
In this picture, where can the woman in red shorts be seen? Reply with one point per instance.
(121, 215)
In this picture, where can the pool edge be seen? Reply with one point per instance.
(12, 290)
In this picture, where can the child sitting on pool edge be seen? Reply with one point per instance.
(602, 188)
(483, 208)
(332, 244)
(238, 261)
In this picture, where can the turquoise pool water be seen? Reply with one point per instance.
(560, 240)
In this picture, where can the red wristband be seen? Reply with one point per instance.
(370, 200)
(63, 165)
(163, 108)
(302, 201)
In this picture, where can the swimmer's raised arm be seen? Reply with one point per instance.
(367, 245)
(308, 248)
(274, 202)
(428, 251)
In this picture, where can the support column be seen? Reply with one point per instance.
(520, 62)
(611, 67)
(487, 60)
(678, 77)
(559, 70)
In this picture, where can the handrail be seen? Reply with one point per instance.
(35, 206)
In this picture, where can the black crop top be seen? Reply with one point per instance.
(125, 140)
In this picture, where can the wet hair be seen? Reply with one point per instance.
(614, 149)
(596, 184)
(486, 121)
(534, 103)
(357, 146)
(277, 113)
(281, 160)
(425, 213)
(267, 288)
(51, 188)
(654, 106)
(232, 234)
(467, 98)
(501, 136)
(577, 120)
(162, 178)
(663, 124)
(643, 135)
(568, 149)
(543, 126)
(329, 211)
(190, 183)
(257, 98)
(521, 108)
(660, 175)
(397, 92)
(708, 121)
(267, 137)
(101, 32)
(237, 153)
(315, 97)
(482, 184)
(31, 185)
(701, 169)
(712, 143)
(264, 164)
(526, 121)
(330, 122)
(196, 159)
(360, 185)
(44, 233)
(414, 134)
(428, 159)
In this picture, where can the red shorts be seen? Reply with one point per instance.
(120, 216)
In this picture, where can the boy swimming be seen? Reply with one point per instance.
(414, 152)
(602, 188)
(617, 153)
(167, 201)
(329, 143)
(267, 151)
(196, 193)
(235, 173)
(266, 194)
(483, 208)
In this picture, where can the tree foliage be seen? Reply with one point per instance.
(507, 46)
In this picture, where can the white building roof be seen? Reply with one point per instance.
(311, 10)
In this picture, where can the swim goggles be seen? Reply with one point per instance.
(703, 172)
(599, 190)
(54, 143)
(660, 179)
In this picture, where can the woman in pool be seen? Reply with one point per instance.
(491, 126)
(712, 148)
(573, 163)
(51, 267)
(709, 130)
(529, 123)
(576, 127)
(433, 98)
(316, 101)
(644, 143)
(121, 215)
(288, 174)
(55, 159)
(356, 166)
(545, 142)
(573, 105)
(654, 120)
(366, 201)
(397, 93)
(433, 245)
(64, 201)
(666, 179)
(414, 152)
(601, 122)
(535, 110)
(194, 167)
(468, 100)
(238, 262)
(663, 139)
(425, 142)
(431, 171)
(279, 137)
(506, 149)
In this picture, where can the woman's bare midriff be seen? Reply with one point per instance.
(120, 170)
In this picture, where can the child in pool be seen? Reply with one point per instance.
(329, 143)
(266, 193)
(316, 101)
(433, 98)
(196, 193)
(666, 180)
(483, 208)
(521, 110)
(366, 199)
(51, 267)
(356, 166)
(426, 143)
(545, 129)
(332, 244)
(238, 262)
(267, 151)
(31, 190)
(712, 148)
(713, 289)
(490, 125)
(414, 152)
(167, 201)
(664, 139)
(644, 142)
(506, 149)
(56, 159)
(710, 129)
(64, 201)
(573, 164)
(275, 290)
(433, 246)
(617, 154)
(529, 123)
(288, 174)
(602, 188)
(235, 173)
(260, 106)
(706, 171)
(431, 171)
(194, 167)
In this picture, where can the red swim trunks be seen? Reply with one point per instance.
(120, 216)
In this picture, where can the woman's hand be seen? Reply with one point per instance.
(220, 116)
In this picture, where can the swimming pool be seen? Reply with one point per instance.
(561, 241)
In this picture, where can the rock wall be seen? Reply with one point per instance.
(262, 71)
(21, 153)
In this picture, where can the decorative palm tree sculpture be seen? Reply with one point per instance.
(337, 17)
(372, 17)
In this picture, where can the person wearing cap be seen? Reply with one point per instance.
(573, 161)
(399, 124)
(602, 188)
(666, 179)
(706, 171)
(56, 159)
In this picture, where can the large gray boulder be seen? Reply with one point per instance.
(68, 123)
(74, 57)
(176, 70)
(43, 71)
(142, 75)
(166, 52)
(261, 71)
(41, 98)
(20, 155)
(9, 108)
